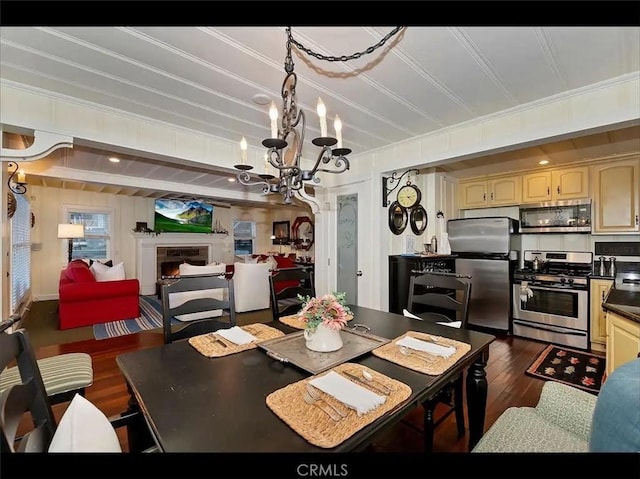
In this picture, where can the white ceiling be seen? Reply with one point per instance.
(204, 79)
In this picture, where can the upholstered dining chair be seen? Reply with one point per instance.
(202, 303)
(447, 295)
(64, 375)
(285, 285)
(82, 427)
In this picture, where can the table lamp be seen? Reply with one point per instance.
(70, 231)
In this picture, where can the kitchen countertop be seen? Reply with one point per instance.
(621, 267)
(623, 302)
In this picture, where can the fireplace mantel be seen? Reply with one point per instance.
(147, 244)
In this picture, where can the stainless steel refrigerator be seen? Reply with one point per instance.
(487, 249)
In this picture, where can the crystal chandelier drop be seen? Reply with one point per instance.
(284, 147)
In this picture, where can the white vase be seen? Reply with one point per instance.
(323, 339)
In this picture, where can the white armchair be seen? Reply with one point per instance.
(251, 286)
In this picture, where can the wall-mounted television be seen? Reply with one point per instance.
(183, 216)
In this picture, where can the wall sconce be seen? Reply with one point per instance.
(17, 184)
(69, 232)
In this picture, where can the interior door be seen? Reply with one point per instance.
(347, 246)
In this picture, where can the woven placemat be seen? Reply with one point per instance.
(436, 365)
(296, 321)
(207, 345)
(313, 424)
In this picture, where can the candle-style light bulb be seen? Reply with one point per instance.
(273, 114)
(21, 177)
(243, 150)
(337, 124)
(322, 113)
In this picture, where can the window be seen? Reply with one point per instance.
(20, 252)
(97, 234)
(244, 234)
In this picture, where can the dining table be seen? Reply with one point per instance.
(194, 403)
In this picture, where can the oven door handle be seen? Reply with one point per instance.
(550, 328)
(542, 288)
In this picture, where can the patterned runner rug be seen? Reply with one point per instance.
(569, 366)
(150, 318)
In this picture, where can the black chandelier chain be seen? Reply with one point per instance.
(342, 58)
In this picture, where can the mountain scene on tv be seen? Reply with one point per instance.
(183, 216)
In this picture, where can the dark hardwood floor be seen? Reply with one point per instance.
(508, 385)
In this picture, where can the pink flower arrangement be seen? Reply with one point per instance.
(329, 310)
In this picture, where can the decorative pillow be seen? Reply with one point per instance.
(106, 263)
(186, 269)
(84, 428)
(78, 271)
(103, 272)
(273, 264)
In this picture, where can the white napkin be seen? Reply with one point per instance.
(411, 315)
(418, 345)
(453, 324)
(348, 392)
(236, 335)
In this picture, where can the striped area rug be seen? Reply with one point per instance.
(150, 318)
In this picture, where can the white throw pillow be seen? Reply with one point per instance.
(271, 261)
(84, 428)
(187, 269)
(104, 273)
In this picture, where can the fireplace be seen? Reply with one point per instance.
(169, 258)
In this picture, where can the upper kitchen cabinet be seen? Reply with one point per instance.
(498, 191)
(562, 184)
(616, 196)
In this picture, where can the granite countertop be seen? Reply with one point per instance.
(621, 267)
(623, 302)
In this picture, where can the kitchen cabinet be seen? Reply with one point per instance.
(623, 340)
(561, 184)
(598, 324)
(498, 191)
(616, 196)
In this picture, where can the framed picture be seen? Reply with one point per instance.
(281, 232)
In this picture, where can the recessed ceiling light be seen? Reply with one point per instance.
(543, 162)
(261, 99)
(113, 159)
(231, 180)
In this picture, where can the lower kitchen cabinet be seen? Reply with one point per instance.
(598, 325)
(623, 340)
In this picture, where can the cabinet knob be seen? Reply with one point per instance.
(548, 191)
(484, 197)
(636, 220)
(558, 190)
(492, 196)
(359, 273)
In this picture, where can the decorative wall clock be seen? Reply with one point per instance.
(409, 195)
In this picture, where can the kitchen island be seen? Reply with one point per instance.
(623, 326)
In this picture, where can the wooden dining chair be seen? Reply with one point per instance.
(64, 375)
(201, 304)
(82, 427)
(285, 286)
(447, 295)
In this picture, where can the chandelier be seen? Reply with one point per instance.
(284, 147)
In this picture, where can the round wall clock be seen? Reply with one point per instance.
(418, 220)
(409, 196)
(398, 218)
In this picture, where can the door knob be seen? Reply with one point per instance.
(359, 273)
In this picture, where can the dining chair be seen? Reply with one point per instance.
(201, 304)
(64, 375)
(82, 426)
(447, 296)
(285, 285)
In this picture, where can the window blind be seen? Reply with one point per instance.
(20, 252)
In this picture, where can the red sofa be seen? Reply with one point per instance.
(85, 301)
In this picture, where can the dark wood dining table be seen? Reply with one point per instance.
(192, 403)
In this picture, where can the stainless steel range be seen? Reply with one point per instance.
(551, 297)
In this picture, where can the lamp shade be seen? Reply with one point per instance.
(70, 231)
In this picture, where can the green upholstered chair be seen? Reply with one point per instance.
(567, 419)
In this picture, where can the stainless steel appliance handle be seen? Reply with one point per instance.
(441, 273)
(551, 328)
(542, 288)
